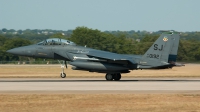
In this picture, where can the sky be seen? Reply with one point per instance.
(104, 15)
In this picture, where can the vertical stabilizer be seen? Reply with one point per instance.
(163, 50)
(174, 49)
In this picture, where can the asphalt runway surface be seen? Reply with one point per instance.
(100, 85)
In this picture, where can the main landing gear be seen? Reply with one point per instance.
(62, 74)
(113, 76)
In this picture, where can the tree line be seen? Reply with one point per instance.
(113, 41)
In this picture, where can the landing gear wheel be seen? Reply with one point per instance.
(109, 77)
(117, 76)
(62, 75)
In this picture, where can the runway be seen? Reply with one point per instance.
(100, 85)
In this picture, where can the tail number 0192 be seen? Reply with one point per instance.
(153, 56)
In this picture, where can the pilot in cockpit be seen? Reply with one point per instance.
(56, 41)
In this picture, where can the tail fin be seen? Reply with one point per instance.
(161, 52)
(174, 49)
(173, 52)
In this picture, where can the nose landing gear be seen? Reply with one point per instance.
(63, 65)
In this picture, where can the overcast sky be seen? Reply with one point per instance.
(123, 15)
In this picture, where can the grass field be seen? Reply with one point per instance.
(190, 70)
(99, 103)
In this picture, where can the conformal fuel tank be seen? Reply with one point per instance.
(98, 66)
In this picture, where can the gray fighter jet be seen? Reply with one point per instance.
(162, 54)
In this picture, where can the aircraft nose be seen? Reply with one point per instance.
(17, 51)
(23, 51)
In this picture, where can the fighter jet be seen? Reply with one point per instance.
(162, 54)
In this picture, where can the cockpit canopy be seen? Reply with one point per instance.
(56, 41)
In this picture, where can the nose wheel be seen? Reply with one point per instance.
(62, 75)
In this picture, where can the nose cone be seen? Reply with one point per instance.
(16, 51)
(23, 51)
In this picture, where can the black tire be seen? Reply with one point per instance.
(117, 76)
(62, 75)
(109, 77)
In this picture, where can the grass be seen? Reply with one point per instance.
(49, 71)
(99, 102)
